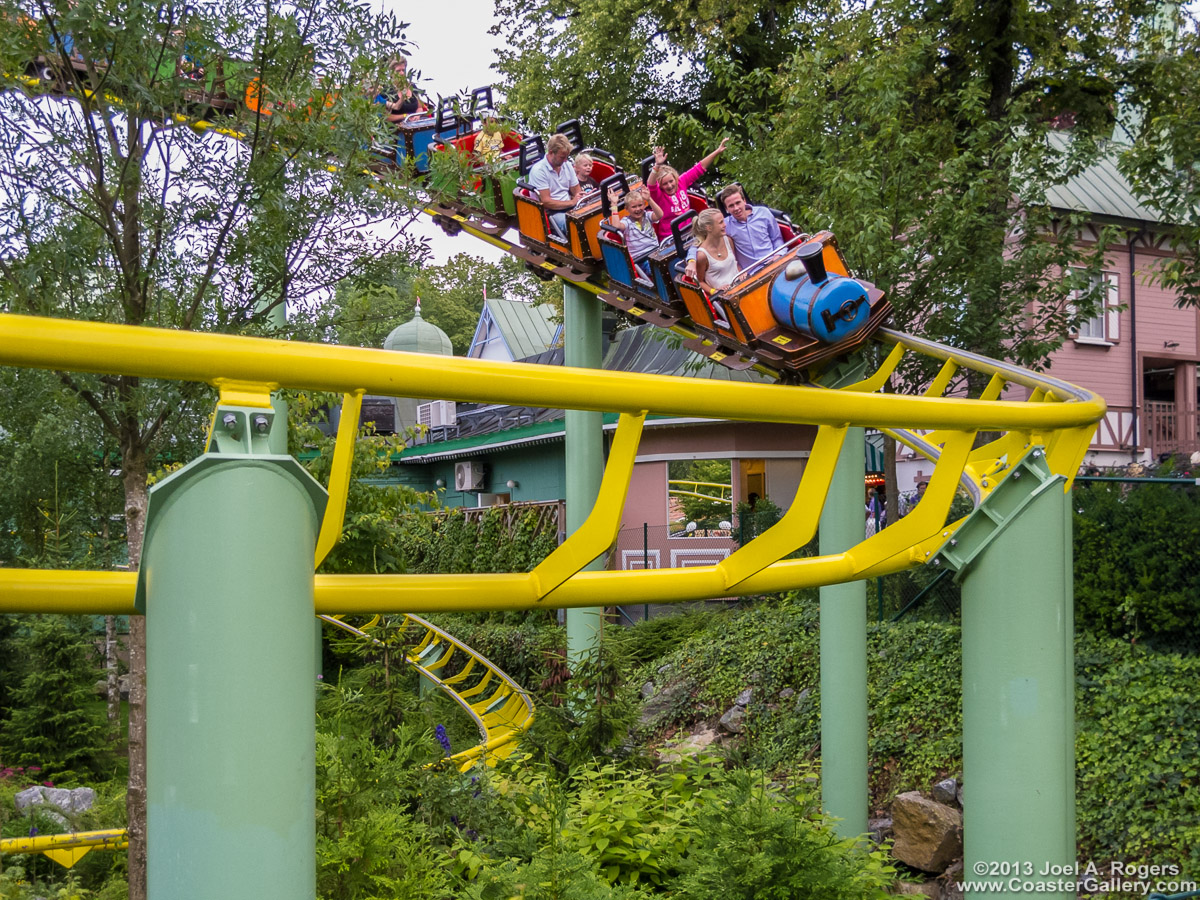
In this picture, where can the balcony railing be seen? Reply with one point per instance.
(1171, 431)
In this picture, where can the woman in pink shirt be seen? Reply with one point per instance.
(669, 189)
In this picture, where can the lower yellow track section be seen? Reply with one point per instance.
(499, 707)
(67, 849)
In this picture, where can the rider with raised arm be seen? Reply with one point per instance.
(669, 189)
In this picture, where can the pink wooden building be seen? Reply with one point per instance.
(1141, 352)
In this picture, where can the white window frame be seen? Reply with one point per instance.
(1103, 329)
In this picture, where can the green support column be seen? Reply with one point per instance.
(584, 450)
(844, 651)
(1014, 559)
(226, 584)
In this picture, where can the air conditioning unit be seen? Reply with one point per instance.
(468, 476)
(437, 414)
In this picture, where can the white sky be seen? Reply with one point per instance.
(453, 51)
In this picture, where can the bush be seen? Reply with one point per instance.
(756, 843)
(1137, 754)
(1136, 573)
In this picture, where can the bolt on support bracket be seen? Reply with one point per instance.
(243, 430)
(1024, 481)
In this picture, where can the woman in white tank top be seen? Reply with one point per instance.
(716, 263)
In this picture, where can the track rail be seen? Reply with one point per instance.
(500, 708)
(1052, 414)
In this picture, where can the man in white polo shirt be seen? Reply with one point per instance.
(557, 184)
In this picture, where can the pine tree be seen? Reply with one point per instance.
(53, 722)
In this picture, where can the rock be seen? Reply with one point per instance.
(658, 704)
(928, 834)
(946, 791)
(960, 796)
(647, 690)
(785, 693)
(950, 879)
(743, 699)
(929, 889)
(663, 670)
(692, 745)
(731, 722)
(879, 829)
(56, 801)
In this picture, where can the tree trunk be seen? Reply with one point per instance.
(136, 499)
(113, 673)
(890, 480)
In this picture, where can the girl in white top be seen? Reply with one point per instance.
(716, 264)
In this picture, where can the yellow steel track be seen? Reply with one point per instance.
(1057, 417)
(498, 706)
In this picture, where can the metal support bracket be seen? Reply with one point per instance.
(243, 430)
(1025, 480)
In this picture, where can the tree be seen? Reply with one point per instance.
(60, 505)
(1162, 159)
(52, 721)
(638, 72)
(117, 205)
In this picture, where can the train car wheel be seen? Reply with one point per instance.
(448, 225)
(542, 274)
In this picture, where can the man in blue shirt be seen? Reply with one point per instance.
(754, 230)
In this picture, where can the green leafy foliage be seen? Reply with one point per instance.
(450, 542)
(763, 842)
(368, 844)
(1136, 574)
(53, 721)
(1162, 155)
(1137, 757)
(586, 715)
(691, 830)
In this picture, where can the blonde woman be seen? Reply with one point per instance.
(669, 188)
(716, 261)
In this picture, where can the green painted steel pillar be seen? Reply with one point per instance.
(844, 651)
(1018, 685)
(582, 348)
(226, 584)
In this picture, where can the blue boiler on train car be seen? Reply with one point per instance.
(815, 302)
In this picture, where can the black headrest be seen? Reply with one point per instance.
(678, 224)
(617, 180)
(532, 149)
(574, 132)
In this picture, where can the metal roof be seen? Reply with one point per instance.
(526, 328)
(1100, 189)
